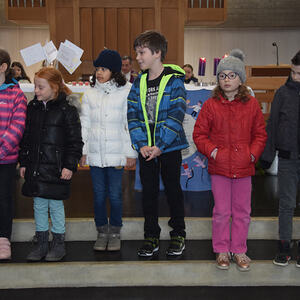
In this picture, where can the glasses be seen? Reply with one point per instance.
(230, 76)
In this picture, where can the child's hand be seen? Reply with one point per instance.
(155, 151)
(82, 161)
(146, 151)
(130, 162)
(66, 174)
(22, 171)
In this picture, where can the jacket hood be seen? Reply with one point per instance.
(290, 83)
(73, 100)
(8, 83)
(170, 69)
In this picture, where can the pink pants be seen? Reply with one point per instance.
(232, 200)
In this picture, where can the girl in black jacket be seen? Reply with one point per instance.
(49, 154)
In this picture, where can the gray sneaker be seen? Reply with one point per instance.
(114, 238)
(102, 238)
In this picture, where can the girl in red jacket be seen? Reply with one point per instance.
(230, 131)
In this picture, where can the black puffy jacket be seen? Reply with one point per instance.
(52, 141)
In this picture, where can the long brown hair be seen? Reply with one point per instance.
(243, 93)
(55, 80)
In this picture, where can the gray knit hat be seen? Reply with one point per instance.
(234, 62)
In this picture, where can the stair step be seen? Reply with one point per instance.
(83, 267)
(83, 229)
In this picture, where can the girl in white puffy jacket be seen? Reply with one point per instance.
(107, 146)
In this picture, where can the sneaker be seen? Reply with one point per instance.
(242, 261)
(283, 256)
(150, 246)
(223, 261)
(176, 245)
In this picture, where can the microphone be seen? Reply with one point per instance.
(275, 45)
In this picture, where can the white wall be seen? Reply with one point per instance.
(13, 39)
(256, 44)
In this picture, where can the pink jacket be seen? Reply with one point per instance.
(13, 107)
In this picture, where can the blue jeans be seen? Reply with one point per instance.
(57, 214)
(107, 182)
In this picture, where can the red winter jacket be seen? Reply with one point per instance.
(237, 129)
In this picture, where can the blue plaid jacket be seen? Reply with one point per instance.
(170, 110)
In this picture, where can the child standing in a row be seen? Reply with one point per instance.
(107, 148)
(230, 131)
(13, 106)
(156, 109)
(50, 151)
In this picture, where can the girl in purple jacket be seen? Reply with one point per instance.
(13, 106)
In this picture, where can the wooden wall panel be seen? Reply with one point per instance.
(98, 38)
(64, 25)
(124, 31)
(169, 21)
(136, 27)
(148, 19)
(111, 28)
(86, 33)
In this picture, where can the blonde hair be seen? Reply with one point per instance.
(55, 80)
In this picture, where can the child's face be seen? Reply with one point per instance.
(188, 72)
(295, 73)
(103, 74)
(145, 58)
(43, 90)
(230, 86)
(17, 71)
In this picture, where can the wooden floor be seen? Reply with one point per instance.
(197, 204)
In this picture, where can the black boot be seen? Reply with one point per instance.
(284, 253)
(57, 248)
(40, 246)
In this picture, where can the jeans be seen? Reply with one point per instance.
(57, 214)
(232, 200)
(107, 182)
(288, 180)
(168, 164)
(7, 178)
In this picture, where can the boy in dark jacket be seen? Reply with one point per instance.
(284, 137)
(156, 108)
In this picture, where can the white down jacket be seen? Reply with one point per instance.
(104, 125)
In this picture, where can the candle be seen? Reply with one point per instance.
(216, 62)
(192, 3)
(202, 65)
(214, 3)
(207, 4)
(200, 4)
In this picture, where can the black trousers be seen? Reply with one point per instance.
(7, 178)
(168, 164)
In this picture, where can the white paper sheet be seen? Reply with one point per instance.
(50, 52)
(33, 54)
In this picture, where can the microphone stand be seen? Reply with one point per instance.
(275, 45)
